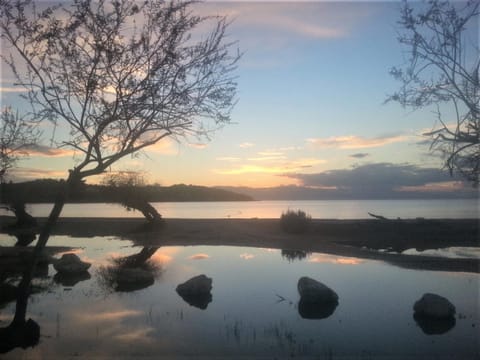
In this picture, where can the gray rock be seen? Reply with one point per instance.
(312, 291)
(434, 306)
(197, 285)
(71, 264)
(196, 291)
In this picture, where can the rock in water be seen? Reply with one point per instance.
(196, 291)
(317, 301)
(313, 291)
(71, 264)
(434, 306)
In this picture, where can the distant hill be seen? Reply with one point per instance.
(306, 193)
(45, 191)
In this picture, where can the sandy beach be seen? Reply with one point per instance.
(349, 238)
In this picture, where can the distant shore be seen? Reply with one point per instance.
(349, 238)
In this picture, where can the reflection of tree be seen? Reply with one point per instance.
(130, 273)
(20, 332)
(292, 255)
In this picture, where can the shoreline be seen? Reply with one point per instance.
(350, 238)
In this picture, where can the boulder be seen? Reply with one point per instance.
(313, 291)
(71, 264)
(131, 279)
(196, 291)
(434, 306)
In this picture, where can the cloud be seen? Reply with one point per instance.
(12, 89)
(228, 159)
(24, 173)
(42, 150)
(287, 166)
(166, 146)
(246, 145)
(359, 155)
(355, 142)
(378, 179)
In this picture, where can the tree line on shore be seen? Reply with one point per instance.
(45, 191)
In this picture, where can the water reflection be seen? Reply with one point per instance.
(309, 310)
(433, 326)
(70, 280)
(292, 255)
(242, 318)
(132, 272)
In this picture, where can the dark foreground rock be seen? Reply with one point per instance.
(317, 301)
(434, 306)
(313, 291)
(196, 291)
(71, 264)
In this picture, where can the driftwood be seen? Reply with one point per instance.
(380, 217)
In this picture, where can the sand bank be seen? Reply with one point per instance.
(350, 238)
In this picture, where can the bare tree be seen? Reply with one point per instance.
(126, 187)
(121, 74)
(443, 67)
(17, 135)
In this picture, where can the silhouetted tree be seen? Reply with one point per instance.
(17, 135)
(443, 67)
(127, 187)
(122, 75)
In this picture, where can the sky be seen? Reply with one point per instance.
(311, 111)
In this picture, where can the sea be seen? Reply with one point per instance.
(317, 209)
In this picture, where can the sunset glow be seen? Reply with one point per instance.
(312, 85)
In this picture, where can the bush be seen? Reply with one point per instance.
(295, 222)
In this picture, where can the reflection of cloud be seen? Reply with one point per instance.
(164, 255)
(354, 142)
(198, 256)
(322, 258)
(139, 335)
(246, 256)
(86, 317)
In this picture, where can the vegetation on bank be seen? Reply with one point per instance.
(45, 191)
(295, 222)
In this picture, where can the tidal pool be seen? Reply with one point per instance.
(254, 308)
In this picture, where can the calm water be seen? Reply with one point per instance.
(254, 309)
(319, 209)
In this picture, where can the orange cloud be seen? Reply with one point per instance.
(286, 167)
(246, 256)
(446, 186)
(34, 173)
(166, 146)
(246, 145)
(322, 258)
(46, 151)
(354, 142)
(199, 257)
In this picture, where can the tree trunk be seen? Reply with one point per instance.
(62, 197)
